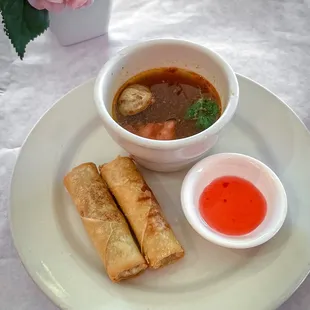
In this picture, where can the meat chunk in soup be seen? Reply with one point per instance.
(134, 99)
(156, 131)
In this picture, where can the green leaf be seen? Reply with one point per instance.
(204, 122)
(204, 111)
(22, 23)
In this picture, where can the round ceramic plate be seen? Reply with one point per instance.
(55, 249)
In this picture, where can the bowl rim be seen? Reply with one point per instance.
(104, 74)
(229, 241)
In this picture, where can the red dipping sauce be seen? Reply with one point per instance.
(232, 206)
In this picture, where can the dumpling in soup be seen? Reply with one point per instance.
(134, 99)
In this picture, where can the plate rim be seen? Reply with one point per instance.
(47, 292)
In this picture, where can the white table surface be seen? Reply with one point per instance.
(268, 41)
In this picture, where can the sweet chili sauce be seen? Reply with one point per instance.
(232, 206)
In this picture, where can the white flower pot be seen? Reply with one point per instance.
(73, 26)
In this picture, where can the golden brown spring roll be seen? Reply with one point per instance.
(157, 241)
(104, 223)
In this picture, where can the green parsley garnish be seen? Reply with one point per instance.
(204, 111)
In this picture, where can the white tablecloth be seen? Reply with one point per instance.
(268, 41)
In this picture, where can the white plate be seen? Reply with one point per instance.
(54, 247)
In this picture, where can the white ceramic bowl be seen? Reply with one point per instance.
(176, 154)
(230, 164)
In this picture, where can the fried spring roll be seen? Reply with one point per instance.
(104, 223)
(157, 240)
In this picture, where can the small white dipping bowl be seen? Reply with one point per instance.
(230, 164)
(169, 155)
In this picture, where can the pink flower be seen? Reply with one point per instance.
(50, 5)
(58, 5)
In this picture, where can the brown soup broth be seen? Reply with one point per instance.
(174, 91)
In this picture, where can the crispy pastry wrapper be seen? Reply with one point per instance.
(157, 240)
(104, 223)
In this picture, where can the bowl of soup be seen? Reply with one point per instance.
(165, 101)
